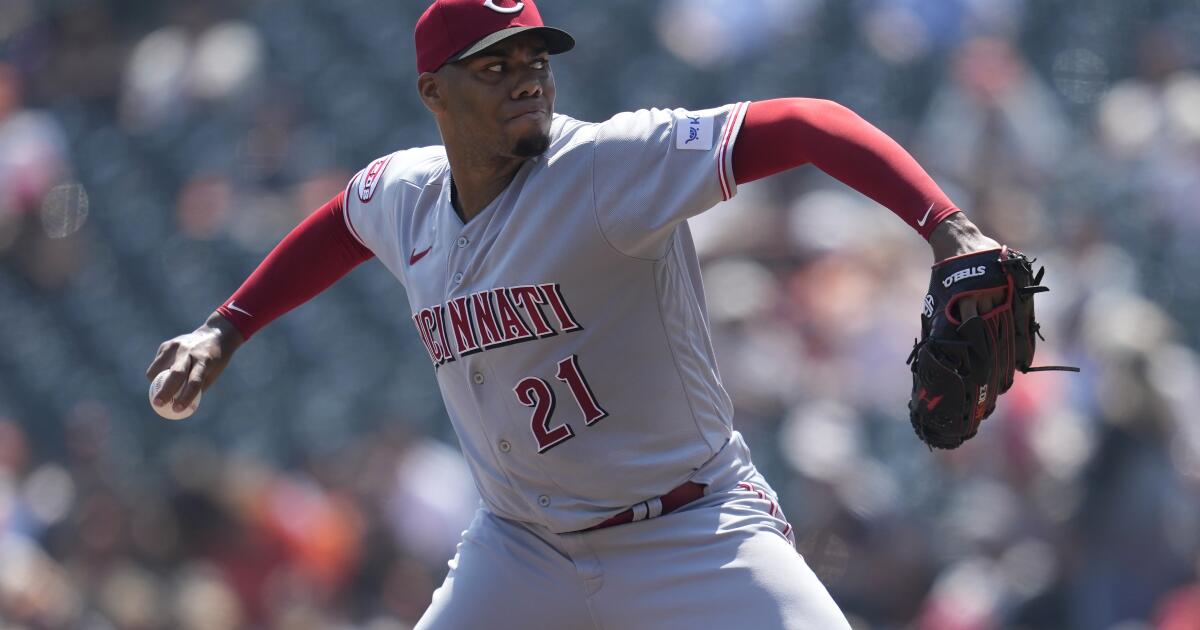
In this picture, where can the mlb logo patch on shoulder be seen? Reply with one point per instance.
(370, 179)
(694, 133)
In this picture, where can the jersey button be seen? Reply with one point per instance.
(478, 378)
(505, 446)
(544, 501)
(463, 241)
(458, 278)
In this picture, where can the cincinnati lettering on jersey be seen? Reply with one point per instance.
(493, 319)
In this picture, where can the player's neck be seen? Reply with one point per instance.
(477, 181)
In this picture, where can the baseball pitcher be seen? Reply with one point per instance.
(555, 287)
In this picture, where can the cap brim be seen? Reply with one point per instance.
(557, 40)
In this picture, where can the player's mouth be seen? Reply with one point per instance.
(537, 114)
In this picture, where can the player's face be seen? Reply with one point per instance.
(503, 97)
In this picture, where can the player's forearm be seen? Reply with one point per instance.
(316, 254)
(782, 134)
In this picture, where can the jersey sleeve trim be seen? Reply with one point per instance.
(346, 211)
(725, 161)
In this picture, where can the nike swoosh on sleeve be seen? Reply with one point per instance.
(234, 307)
(925, 218)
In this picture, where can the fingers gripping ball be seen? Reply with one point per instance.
(166, 409)
(964, 362)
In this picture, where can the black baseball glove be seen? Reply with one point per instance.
(959, 367)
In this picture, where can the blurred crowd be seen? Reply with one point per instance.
(152, 153)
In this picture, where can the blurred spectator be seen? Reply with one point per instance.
(37, 209)
(995, 131)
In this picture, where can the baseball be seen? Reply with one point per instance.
(166, 410)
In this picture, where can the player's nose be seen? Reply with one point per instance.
(529, 85)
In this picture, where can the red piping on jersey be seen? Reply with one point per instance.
(726, 136)
(346, 215)
(782, 134)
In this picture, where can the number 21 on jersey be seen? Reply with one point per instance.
(537, 393)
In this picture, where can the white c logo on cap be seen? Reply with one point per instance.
(491, 4)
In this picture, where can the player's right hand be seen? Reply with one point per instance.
(195, 360)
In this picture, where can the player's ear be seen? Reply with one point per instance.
(432, 92)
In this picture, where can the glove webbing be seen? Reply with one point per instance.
(1037, 287)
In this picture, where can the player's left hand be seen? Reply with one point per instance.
(955, 236)
(968, 352)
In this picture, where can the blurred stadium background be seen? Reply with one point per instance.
(152, 153)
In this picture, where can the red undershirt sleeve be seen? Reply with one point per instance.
(782, 134)
(316, 254)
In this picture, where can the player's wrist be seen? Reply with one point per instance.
(228, 336)
(957, 235)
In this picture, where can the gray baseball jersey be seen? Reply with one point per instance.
(566, 322)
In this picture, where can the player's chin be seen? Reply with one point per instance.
(531, 143)
(529, 134)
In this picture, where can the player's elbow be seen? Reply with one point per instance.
(825, 115)
(814, 118)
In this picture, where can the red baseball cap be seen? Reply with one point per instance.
(451, 30)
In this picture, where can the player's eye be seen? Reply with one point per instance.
(540, 64)
(496, 67)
